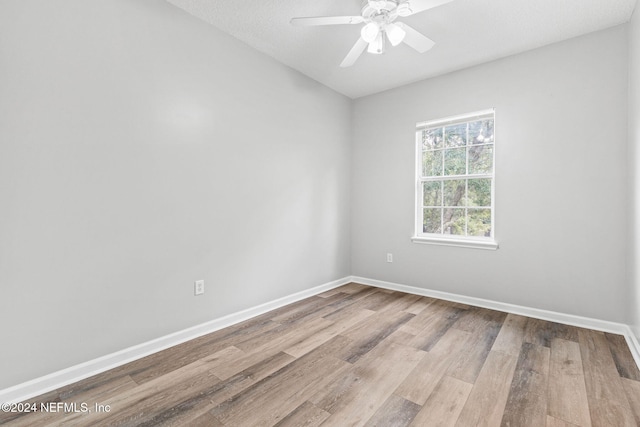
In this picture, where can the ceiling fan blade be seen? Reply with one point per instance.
(415, 39)
(411, 7)
(354, 53)
(327, 20)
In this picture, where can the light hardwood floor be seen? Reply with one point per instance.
(358, 355)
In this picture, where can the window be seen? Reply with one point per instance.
(455, 181)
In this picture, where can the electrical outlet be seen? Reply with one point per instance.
(199, 287)
(389, 257)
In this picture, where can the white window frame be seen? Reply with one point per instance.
(419, 236)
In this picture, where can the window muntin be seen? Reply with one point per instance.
(455, 178)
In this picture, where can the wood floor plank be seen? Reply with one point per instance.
(265, 337)
(95, 385)
(329, 293)
(379, 300)
(488, 398)
(436, 327)
(348, 289)
(198, 404)
(277, 342)
(103, 391)
(429, 315)
(320, 308)
(372, 325)
(554, 422)
(538, 332)
(357, 396)
(293, 384)
(606, 413)
(467, 365)
(401, 303)
(271, 338)
(226, 355)
(511, 335)
(541, 332)
(601, 375)
(419, 385)
(370, 332)
(331, 330)
(395, 412)
(608, 403)
(352, 288)
(346, 312)
(305, 415)
(527, 402)
(401, 337)
(444, 405)
(204, 420)
(158, 364)
(99, 394)
(141, 402)
(419, 305)
(94, 390)
(564, 332)
(314, 306)
(622, 357)
(478, 319)
(632, 389)
(567, 398)
(290, 310)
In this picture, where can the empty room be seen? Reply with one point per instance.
(327, 212)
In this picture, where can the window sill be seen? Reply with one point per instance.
(462, 243)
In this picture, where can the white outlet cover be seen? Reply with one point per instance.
(199, 287)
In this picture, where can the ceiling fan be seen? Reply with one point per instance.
(378, 17)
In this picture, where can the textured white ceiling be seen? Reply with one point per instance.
(466, 32)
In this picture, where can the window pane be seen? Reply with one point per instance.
(432, 139)
(456, 175)
(479, 192)
(456, 135)
(454, 193)
(431, 220)
(479, 222)
(432, 163)
(453, 221)
(481, 159)
(432, 193)
(481, 132)
(455, 161)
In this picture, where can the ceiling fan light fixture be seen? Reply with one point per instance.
(377, 46)
(370, 32)
(395, 34)
(377, 4)
(377, 17)
(404, 9)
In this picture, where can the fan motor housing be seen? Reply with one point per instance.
(379, 10)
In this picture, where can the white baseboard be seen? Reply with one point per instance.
(567, 319)
(35, 387)
(38, 386)
(634, 344)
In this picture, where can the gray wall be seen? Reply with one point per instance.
(634, 145)
(561, 180)
(140, 150)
